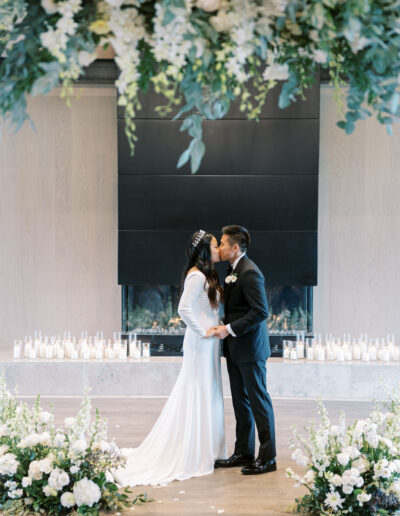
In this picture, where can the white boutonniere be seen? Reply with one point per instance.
(232, 278)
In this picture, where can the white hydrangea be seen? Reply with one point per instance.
(343, 458)
(86, 492)
(58, 479)
(45, 417)
(8, 464)
(26, 481)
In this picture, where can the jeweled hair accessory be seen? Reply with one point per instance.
(199, 238)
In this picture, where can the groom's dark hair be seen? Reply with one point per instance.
(237, 235)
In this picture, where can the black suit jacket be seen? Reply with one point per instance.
(246, 310)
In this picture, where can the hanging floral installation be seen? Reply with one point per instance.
(202, 55)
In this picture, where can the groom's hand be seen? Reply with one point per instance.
(221, 332)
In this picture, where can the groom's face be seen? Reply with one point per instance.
(227, 251)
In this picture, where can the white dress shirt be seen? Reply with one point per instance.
(228, 326)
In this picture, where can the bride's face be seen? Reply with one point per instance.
(214, 251)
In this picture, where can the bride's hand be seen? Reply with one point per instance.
(210, 333)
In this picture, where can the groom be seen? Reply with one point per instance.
(246, 348)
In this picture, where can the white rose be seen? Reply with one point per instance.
(222, 22)
(26, 481)
(361, 465)
(276, 72)
(45, 417)
(363, 497)
(49, 491)
(46, 465)
(86, 492)
(3, 430)
(320, 56)
(336, 480)
(86, 58)
(343, 458)
(347, 489)
(67, 499)
(208, 5)
(79, 446)
(49, 6)
(74, 469)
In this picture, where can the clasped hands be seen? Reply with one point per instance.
(217, 331)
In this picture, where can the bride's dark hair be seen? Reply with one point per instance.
(199, 256)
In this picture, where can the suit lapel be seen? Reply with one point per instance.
(229, 286)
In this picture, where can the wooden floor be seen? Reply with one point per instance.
(226, 491)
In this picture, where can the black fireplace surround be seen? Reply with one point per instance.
(262, 175)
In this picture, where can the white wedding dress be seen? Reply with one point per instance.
(189, 434)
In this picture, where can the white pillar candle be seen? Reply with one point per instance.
(310, 353)
(17, 348)
(74, 353)
(99, 353)
(320, 353)
(396, 353)
(385, 354)
(122, 353)
(356, 352)
(372, 350)
(42, 349)
(32, 353)
(340, 354)
(365, 355)
(60, 351)
(146, 350)
(300, 349)
(27, 349)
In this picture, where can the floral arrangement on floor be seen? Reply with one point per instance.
(56, 470)
(351, 469)
(203, 54)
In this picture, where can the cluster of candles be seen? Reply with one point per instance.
(85, 348)
(342, 350)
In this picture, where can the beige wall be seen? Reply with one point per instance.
(359, 227)
(58, 222)
(58, 218)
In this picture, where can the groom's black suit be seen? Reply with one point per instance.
(246, 310)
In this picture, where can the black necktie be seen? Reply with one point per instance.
(229, 269)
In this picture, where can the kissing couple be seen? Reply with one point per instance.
(188, 438)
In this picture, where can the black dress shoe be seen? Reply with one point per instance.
(234, 460)
(260, 466)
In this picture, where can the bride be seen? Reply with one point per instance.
(189, 435)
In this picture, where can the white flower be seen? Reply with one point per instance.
(34, 470)
(49, 491)
(45, 417)
(333, 500)
(11, 485)
(373, 439)
(26, 481)
(361, 464)
(347, 489)
(103, 446)
(86, 492)
(59, 440)
(115, 3)
(343, 458)
(28, 501)
(276, 72)
(299, 457)
(58, 479)
(74, 469)
(208, 5)
(3, 449)
(17, 493)
(232, 278)
(69, 422)
(336, 480)
(363, 497)
(34, 439)
(395, 488)
(352, 452)
(222, 22)
(320, 56)
(67, 499)
(383, 469)
(49, 6)
(8, 464)
(79, 446)
(309, 476)
(86, 58)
